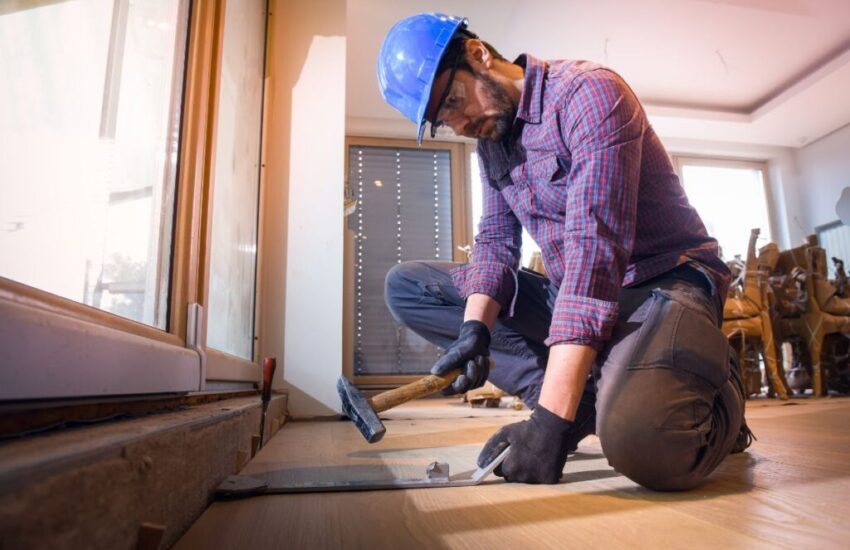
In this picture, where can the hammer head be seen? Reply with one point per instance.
(357, 408)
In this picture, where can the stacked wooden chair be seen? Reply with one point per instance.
(748, 324)
(814, 317)
(535, 263)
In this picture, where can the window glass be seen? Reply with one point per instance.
(89, 125)
(731, 201)
(236, 177)
(835, 239)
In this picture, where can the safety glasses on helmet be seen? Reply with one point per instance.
(451, 99)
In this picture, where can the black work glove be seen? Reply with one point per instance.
(539, 448)
(470, 353)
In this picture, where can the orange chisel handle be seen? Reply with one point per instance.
(269, 366)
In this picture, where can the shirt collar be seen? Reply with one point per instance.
(531, 100)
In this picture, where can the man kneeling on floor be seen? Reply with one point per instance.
(621, 339)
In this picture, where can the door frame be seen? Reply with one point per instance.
(461, 234)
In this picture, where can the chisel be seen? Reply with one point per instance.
(269, 365)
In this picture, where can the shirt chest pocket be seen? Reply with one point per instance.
(548, 178)
(546, 168)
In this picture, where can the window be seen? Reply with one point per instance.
(835, 239)
(233, 256)
(120, 125)
(409, 207)
(730, 198)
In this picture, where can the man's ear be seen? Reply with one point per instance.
(478, 56)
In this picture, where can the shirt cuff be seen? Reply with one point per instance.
(582, 320)
(496, 280)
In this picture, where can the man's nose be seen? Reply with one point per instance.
(457, 124)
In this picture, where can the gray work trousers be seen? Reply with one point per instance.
(662, 398)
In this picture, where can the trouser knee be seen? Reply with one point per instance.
(420, 294)
(638, 446)
(401, 288)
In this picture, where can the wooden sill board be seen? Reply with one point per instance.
(790, 489)
(95, 486)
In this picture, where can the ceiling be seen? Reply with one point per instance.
(768, 72)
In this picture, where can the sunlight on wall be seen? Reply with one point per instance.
(315, 235)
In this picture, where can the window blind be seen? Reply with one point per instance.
(835, 239)
(403, 213)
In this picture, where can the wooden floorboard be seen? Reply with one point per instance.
(791, 489)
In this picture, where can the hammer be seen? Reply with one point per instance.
(364, 411)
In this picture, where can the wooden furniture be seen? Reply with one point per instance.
(535, 263)
(825, 313)
(748, 324)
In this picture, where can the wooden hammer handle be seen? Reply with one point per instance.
(425, 386)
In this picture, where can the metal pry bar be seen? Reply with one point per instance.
(436, 475)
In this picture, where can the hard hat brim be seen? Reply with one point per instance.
(408, 62)
(444, 42)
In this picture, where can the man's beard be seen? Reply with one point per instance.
(504, 120)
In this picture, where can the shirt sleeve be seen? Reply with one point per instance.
(496, 251)
(602, 124)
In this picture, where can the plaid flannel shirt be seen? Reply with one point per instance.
(584, 172)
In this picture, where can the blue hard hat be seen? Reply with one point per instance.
(407, 64)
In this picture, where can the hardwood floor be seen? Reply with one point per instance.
(791, 489)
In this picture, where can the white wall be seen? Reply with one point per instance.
(823, 169)
(785, 199)
(302, 265)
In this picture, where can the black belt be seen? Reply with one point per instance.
(690, 274)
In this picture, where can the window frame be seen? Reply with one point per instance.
(461, 234)
(184, 364)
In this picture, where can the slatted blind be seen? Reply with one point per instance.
(835, 239)
(403, 213)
